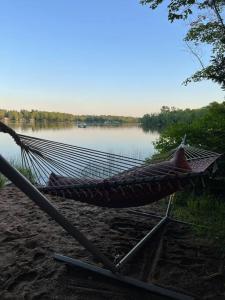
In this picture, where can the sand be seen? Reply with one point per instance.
(29, 238)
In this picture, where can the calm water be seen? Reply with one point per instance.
(125, 140)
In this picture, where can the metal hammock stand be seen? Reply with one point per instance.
(104, 179)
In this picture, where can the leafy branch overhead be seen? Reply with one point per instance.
(206, 27)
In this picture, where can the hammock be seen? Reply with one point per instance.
(107, 179)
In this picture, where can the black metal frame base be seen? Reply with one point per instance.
(154, 289)
(111, 270)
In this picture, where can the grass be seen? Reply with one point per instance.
(207, 211)
(2, 180)
(25, 171)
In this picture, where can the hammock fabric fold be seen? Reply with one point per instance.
(129, 188)
(106, 179)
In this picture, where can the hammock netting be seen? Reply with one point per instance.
(107, 179)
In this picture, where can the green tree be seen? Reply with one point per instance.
(169, 116)
(207, 131)
(206, 27)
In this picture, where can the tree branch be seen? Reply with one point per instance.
(195, 54)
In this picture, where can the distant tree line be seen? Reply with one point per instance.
(169, 116)
(44, 116)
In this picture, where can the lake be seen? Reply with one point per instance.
(124, 140)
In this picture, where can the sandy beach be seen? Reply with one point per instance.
(29, 238)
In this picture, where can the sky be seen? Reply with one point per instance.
(95, 57)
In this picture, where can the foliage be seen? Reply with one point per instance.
(207, 131)
(206, 27)
(25, 171)
(2, 180)
(40, 116)
(169, 116)
(206, 211)
(214, 72)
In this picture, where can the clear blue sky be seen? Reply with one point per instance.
(95, 57)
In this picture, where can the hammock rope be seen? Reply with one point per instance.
(108, 179)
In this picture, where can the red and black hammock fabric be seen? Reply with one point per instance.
(106, 179)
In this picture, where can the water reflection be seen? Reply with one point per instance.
(40, 126)
(147, 129)
(129, 140)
